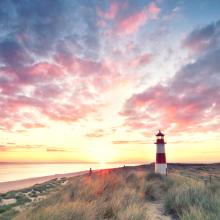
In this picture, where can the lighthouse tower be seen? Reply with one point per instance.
(160, 165)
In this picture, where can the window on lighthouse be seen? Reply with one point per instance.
(160, 137)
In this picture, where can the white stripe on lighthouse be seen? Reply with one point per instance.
(160, 148)
(161, 168)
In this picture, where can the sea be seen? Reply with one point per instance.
(19, 171)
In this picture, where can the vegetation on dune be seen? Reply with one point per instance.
(105, 195)
(194, 200)
(123, 194)
(20, 199)
(23, 197)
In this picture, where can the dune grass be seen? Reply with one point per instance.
(194, 200)
(124, 194)
(105, 195)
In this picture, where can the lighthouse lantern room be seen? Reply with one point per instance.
(160, 165)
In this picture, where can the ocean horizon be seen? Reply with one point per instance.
(12, 171)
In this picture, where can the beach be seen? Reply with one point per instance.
(21, 184)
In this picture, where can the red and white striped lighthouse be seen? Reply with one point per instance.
(160, 165)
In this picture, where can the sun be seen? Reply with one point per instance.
(102, 163)
(102, 153)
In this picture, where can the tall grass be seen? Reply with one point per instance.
(126, 195)
(97, 197)
(193, 201)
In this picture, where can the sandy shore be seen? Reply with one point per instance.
(21, 184)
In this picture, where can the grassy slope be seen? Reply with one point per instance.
(125, 194)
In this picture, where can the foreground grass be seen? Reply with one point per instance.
(193, 200)
(100, 196)
(124, 194)
(106, 195)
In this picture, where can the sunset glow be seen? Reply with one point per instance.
(92, 81)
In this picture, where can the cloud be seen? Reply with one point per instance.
(111, 12)
(52, 149)
(97, 133)
(27, 87)
(4, 148)
(188, 102)
(16, 148)
(12, 54)
(33, 125)
(133, 22)
(48, 66)
(153, 9)
(130, 142)
(203, 39)
(100, 133)
(140, 60)
(51, 66)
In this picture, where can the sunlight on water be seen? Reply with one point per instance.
(15, 171)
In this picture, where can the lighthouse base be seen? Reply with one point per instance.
(161, 168)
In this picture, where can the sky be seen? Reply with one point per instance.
(93, 80)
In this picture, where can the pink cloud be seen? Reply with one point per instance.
(84, 67)
(68, 112)
(72, 87)
(131, 24)
(186, 103)
(168, 108)
(33, 125)
(153, 9)
(46, 69)
(112, 11)
(141, 60)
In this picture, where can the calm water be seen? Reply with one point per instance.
(15, 171)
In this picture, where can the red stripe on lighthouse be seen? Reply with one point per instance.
(161, 158)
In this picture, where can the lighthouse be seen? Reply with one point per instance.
(160, 165)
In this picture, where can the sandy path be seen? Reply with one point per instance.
(21, 184)
(155, 211)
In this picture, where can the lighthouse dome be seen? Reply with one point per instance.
(159, 133)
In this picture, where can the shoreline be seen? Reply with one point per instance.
(25, 183)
